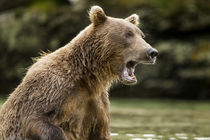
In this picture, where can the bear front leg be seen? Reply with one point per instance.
(42, 129)
(101, 130)
(100, 133)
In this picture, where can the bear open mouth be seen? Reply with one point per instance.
(128, 76)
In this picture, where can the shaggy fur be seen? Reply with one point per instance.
(64, 94)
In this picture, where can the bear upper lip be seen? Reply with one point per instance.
(150, 60)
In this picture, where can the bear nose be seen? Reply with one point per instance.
(152, 52)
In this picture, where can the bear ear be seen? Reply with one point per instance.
(134, 19)
(97, 15)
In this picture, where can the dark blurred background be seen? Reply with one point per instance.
(179, 29)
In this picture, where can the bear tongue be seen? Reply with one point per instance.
(128, 74)
(131, 72)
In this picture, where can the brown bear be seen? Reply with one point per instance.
(64, 94)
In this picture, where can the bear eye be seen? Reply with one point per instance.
(129, 34)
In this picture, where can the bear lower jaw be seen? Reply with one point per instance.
(127, 77)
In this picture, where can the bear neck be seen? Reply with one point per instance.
(90, 57)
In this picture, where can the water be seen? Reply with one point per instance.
(116, 136)
(133, 119)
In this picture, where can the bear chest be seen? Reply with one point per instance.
(80, 114)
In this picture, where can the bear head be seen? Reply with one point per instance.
(124, 42)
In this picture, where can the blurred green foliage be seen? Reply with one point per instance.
(178, 29)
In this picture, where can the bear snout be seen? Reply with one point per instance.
(152, 53)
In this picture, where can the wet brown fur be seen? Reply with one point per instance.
(64, 94)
